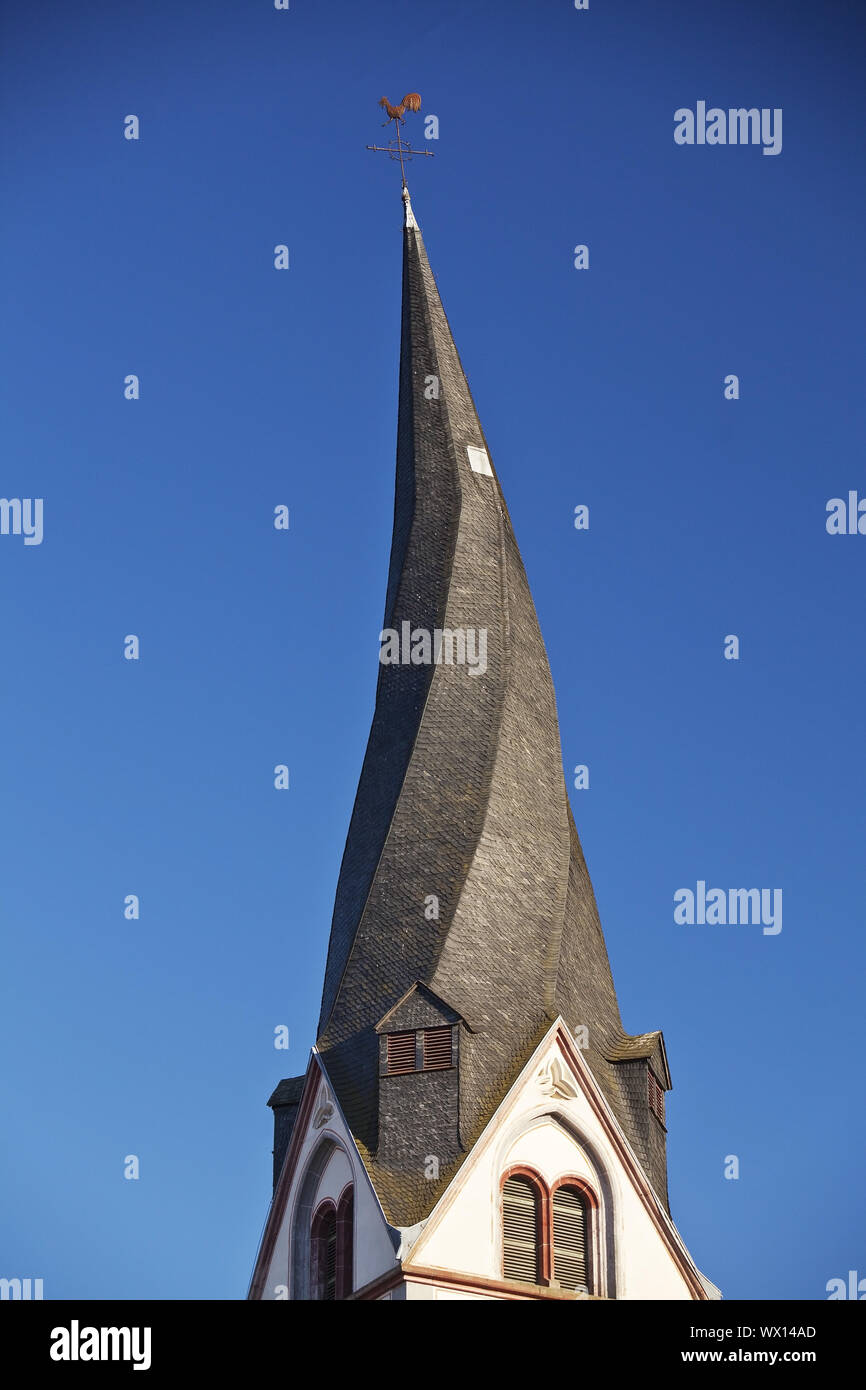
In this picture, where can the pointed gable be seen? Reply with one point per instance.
(418, 1008)
(555, 1130)
(321, 1168)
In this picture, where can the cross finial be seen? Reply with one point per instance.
(400, 148)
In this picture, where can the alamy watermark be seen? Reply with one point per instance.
(22, 516)
(729, 907)
(447, 646)
(846, 518)
(22, 1289)
(736, 126)
(77, 1343)
(854, 1288)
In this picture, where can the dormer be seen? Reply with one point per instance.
(419, 1063)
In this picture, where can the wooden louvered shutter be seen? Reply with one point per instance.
(437, 1048)
(656, 1096)
(570, 1238)
(401, 1052)
(323, 1251)
(345, 1232)
(329, 1242)
(520, 1223)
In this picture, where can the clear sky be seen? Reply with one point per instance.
(260, 387)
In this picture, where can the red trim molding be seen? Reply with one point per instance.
(508, 1290)
(496, 1288)
(345, 1241)
(581, 1184)
(377, 1287)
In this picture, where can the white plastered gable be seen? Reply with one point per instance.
(556, 1121)
(321, 1160)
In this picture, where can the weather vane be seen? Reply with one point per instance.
(400, 148)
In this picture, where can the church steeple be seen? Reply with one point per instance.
(463, 901)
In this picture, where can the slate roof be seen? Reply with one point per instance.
(288, 1092)
(462, 796)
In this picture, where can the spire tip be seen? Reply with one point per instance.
(409, 220)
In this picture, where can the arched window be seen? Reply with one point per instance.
(572, 1251)
(323, 1253)
(308, 1247)
(521, 1229)
(547, 1236)
(345, 1251)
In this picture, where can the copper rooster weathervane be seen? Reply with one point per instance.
(400, 148)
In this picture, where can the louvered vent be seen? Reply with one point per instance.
(437, 1048)
(520, 1230)
(345, 1232)
(570, 1239)
(329, 1240)
(401, 1052)
(656, 1096)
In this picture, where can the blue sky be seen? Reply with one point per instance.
(604, 387)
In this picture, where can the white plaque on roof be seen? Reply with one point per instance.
(478, 460)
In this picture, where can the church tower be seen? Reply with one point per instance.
(474, 1122)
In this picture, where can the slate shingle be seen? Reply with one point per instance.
(462, 796)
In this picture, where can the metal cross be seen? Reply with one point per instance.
(400, 148)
